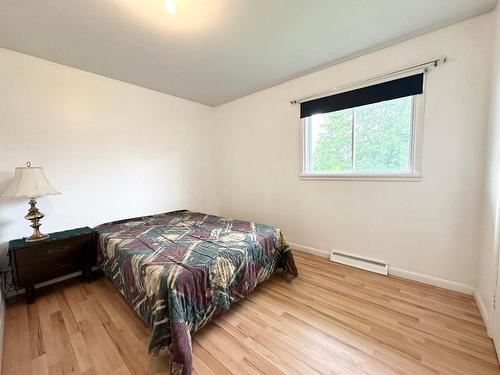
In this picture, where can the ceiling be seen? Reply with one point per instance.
(214, 51)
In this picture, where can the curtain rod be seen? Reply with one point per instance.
(428, 64)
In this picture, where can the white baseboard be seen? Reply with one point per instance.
(482, 310)
(432, 280)
(310, 250)
(415, 276)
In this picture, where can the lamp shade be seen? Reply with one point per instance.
(29, 182)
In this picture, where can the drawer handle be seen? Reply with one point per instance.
(57, 249)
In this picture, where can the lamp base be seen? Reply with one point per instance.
(35, 216)
(37, 237)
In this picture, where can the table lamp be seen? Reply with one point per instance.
(30, 182)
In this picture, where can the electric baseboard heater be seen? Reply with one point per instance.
(357, 261)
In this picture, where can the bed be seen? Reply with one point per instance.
(181, 269)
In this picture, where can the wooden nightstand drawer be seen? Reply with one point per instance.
(38, 272)
(57, 250)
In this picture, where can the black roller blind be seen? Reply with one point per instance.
(398, 88)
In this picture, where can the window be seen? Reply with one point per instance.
(378, 139)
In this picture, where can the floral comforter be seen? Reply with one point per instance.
(180, 269)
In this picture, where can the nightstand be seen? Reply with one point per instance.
(59, 255)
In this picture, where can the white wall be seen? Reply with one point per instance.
(490, 224)
(430, 226)
(113, 149)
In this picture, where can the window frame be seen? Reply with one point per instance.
(415, 172)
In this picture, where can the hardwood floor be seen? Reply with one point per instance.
(332, 320)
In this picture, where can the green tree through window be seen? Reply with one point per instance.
(381, 141)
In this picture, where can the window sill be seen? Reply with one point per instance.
(409, 177)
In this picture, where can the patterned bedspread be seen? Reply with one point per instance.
(180, 269)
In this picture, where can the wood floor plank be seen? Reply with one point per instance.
(10, 341)
(334, 319)
(35, 332)
(68, 359)
(23, 350)
(81, 352)
(39, 365)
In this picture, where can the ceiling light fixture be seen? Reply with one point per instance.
(170, 6)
